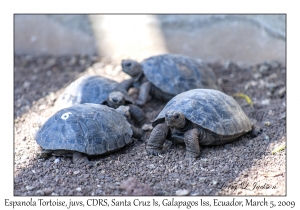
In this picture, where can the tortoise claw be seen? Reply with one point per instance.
(154, 152)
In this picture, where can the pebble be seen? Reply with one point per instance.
(183, 192)
(26, 84)
(78, 188)
(29, 187)
(281, 91)
(42, 107)
(50, 62)
(40, 192)
(265, 102)
(76, 172)
(23, 158)
(267, 138)
(267, 123)
(56, 160)
(257, 75)
(263, 68)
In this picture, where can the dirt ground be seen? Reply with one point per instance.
(244, 167)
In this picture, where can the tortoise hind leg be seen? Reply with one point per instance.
(79, 159)
(192, 143)
(40, 153)
(138, 115)
(255, 131)
(137, 133)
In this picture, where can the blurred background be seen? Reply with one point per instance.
(244, 39)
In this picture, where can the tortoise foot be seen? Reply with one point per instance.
(154, 152)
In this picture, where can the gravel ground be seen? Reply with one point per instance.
(244, 167)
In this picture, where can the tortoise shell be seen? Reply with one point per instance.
(174, 74)
(210, 109)
(90, 89)
(92, 129)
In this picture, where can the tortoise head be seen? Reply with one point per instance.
(115, 99)
(175, 119)
(131, 67)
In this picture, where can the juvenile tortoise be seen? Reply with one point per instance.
(167, 75)
(199, 117)
(90, 129)
(100, 90)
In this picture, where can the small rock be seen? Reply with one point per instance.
(267, 123)
(133, 187)
(182, 192)
(42, 107)
(263, 68)
(49, 73)
(26, 84)
(265, 102)
(267, 138)
(50, 62)
(151, 166)
(281, 91)
(29, 187)
(54, 194)
(47, 191)
(72, 61)
(52, 96)
(40, 192)
(257, 75)
(78, 188)
(76, 172)
(282, 116)
(214, 182)
(24, 158)
(56, 160)
(33, 171)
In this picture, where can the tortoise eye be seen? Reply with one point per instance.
(128, 64)
(177, 116)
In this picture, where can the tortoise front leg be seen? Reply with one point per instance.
(192, 143)
(126, 84)
(143, 94)
(157, 139)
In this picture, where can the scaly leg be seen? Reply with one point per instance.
(126, 84)
(157, 139)
(138, 115)
(137, 133)
(79, 159)
(143, 94)
(192, 143)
